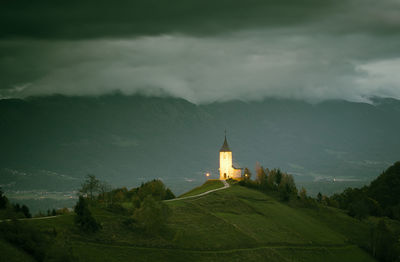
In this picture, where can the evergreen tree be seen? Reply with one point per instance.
(3, 200)
(26, 212)
(169, 194)
(84, 218)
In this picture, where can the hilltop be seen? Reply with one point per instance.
(234, 224)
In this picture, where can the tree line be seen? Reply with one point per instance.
(380, 198)
(10, 210)
(271, 181)
(147, 213)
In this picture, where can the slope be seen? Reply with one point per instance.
(234, 224)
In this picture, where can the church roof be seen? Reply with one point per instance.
(225, 147)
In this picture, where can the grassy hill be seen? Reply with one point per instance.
(235, 224)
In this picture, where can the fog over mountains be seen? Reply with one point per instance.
(52, 142)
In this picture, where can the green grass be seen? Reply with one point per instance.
(9, 253)
(208, 185)
(235, 224)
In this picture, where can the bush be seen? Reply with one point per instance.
(118, 209)
(152, 215)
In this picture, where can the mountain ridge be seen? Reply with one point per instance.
(128, 139)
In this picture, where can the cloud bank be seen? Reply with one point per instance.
(203, 51)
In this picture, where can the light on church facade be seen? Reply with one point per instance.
(226, 168)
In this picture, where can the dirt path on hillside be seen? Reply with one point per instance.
(33, 218)
(226, 185)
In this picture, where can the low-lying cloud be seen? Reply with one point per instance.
(310, 51)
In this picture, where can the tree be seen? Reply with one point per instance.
(287, 187)
(16, 207)
(90, 187)
(169, 194)
(3, 200)
(104, 195)
(84, 218)
(271, 178)
(261, 178)
(359, 209)
(278, 177)
(247, 174)
(152, 215)
(319, 197)
(26, 212)
(155, 188)
(303, 194)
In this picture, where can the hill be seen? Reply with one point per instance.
(379, 198)
(386, 190)
(233, 224)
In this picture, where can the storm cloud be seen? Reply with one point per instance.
(202, 51)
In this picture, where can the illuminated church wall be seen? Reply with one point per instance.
(226, 169)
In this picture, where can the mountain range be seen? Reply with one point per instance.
(52, 142)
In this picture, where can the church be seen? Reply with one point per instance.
(226, 168)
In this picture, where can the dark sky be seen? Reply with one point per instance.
(203, 50)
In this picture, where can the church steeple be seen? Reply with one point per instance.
(225, 147)
(226, 168)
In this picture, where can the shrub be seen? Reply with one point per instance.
(152, 215)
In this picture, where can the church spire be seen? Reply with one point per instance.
(225, 147)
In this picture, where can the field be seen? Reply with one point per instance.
(235, 224)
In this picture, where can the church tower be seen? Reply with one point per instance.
(226, 168)
(225, 161)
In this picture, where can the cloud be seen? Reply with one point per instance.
(202, 51)
(382, 77)
(247, 65)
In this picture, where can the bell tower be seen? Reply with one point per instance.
(225, 161)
